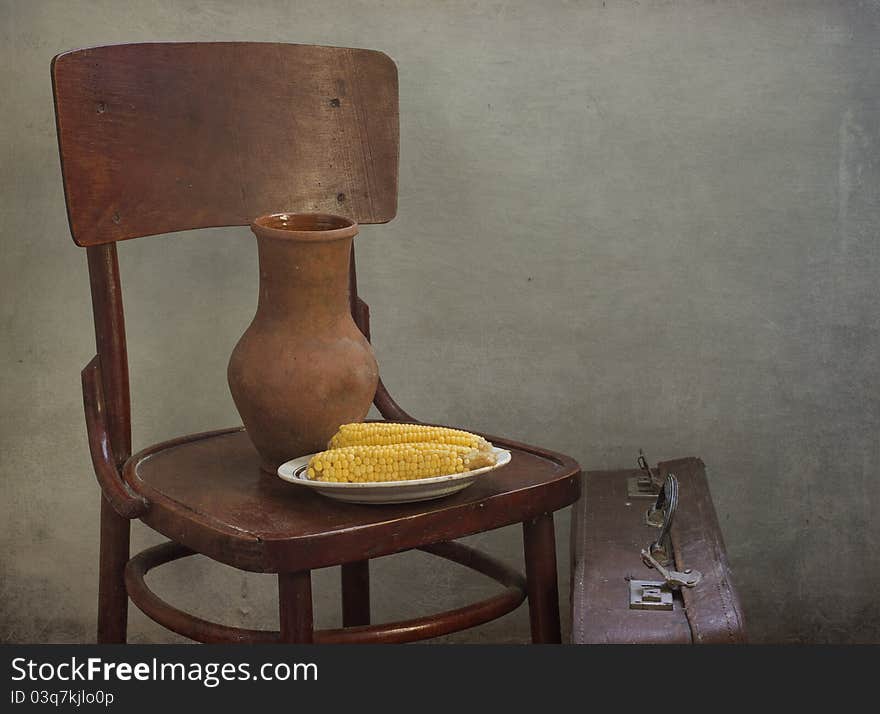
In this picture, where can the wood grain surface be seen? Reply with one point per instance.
(164, 137)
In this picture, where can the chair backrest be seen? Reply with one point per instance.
(163, 137)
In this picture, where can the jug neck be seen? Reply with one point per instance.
(304, 267)
(300, 280)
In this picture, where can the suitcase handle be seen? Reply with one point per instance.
(662, 512)
(659, 553)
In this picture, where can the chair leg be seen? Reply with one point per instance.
(543, 590)
(295, 606)
(112, 595)
(356, 593)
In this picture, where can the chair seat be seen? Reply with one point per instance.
(207, 492)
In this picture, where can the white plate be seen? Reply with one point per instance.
(424, 489)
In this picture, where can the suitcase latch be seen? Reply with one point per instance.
(644, 485)
(657, 594)
(649, 595)
(673, 578)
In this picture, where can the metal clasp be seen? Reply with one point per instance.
(644, 485)
(674, 579)
(649, 595)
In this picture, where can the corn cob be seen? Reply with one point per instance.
(384, 433)
(395, 462)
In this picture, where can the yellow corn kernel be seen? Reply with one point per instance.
(395, 462)
(385, 433)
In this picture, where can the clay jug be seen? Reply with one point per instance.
(302, 367)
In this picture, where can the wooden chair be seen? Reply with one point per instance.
(156, 138)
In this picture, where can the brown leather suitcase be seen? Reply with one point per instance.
(626, 519)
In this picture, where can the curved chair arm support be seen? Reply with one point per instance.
(388, 408)
(384, 402)
(360, 311)
(124, 501)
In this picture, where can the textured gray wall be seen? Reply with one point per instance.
(621, 225)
